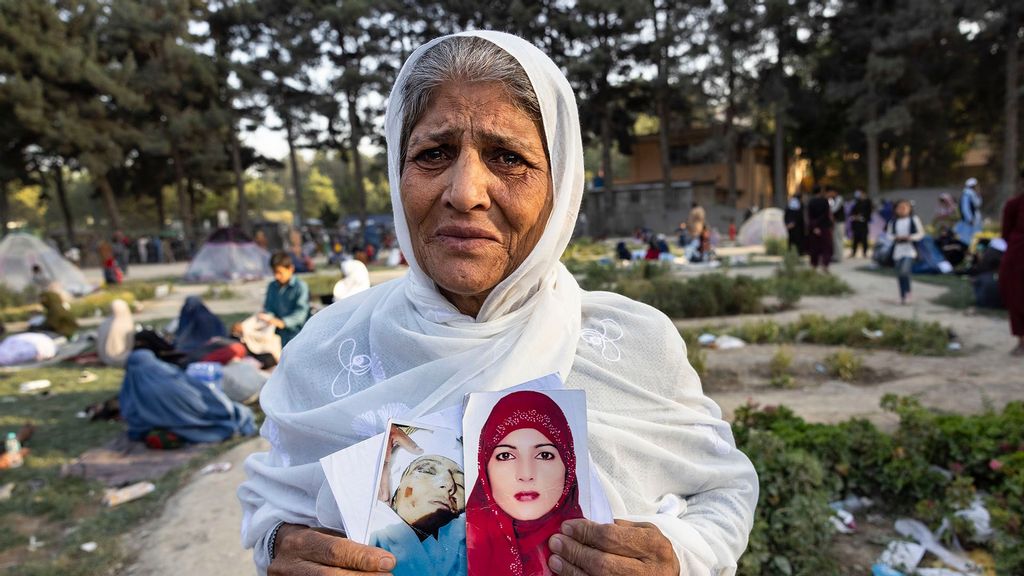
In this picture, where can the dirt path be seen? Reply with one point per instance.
(198, 532)
(983, 375)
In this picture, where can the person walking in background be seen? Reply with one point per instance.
(795, 228)
(970, 212)
(1011, 269)
(819, 224)
(905, 228)
(697, 217)
(286, 306)
(860, 217)
(835, 202)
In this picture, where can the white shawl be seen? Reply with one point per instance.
(116, 335)
(401, 349)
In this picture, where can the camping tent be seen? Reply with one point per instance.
(19, 252)
(228, 254)
(764, 224)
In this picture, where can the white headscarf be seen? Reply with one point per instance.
(401, 349)
(116, 336)
(356, 278)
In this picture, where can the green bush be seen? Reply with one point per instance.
(780, 366)
(845, 365)
(219, 292)
(791, 525)
(793, 280)
(776, 246)
(983, 453)
(321, 283)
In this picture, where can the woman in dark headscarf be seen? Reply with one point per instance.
(196, 326)
(58, 315)
(511, 515)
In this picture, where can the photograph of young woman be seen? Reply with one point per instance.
(526, 486)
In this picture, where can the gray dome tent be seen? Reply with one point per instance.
(228, 254)
(19, 252)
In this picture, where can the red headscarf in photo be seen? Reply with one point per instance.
(497, 543)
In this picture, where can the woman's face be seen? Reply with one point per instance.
(527, 474)
(903, 209)
(476, 187)
(432, 488)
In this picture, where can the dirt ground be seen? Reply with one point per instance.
(198, 532)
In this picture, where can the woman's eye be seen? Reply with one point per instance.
(503, 456)
(430, 156)
(545, 455)
(511, 159)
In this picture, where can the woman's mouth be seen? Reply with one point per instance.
(464, 238)
(527, 496)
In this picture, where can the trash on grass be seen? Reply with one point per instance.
(852, 503)
(954, 346)
(706, 339)
(33, 386)
(902, 555)
(216, 467)
(726, 342)
(86, 376)
(843, 522)
(820, 368)
(34, 544)
(919, 532)
(979, 518)
(6, 491)
(872, 334)
(883, 570)
(127, 494)
(89, 547)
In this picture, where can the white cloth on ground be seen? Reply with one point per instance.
(25, 348)
(260, 337)
(401, 349)
(116, 336)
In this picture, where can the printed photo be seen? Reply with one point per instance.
(419, 510)
(531, 473)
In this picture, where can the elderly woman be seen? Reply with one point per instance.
(486, 169)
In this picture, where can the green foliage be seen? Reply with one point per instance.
(698, 360)
(792, 280)
(776, 246)
(791, 524)
(780, 366)
(219, 292)
(321, 283)
(983, 452)
(845, 365)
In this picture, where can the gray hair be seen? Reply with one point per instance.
(465, 59)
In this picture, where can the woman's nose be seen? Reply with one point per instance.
(470, 179)
(524, 470)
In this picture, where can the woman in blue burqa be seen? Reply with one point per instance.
(196, 326)
(158, 395)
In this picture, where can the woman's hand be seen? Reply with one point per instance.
(398, 439)
(304, 551)
(586, 548)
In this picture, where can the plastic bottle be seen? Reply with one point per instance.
(13, 448)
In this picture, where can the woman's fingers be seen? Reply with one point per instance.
(304, 568)
(571, 558)
(623, 538)
(297, 545)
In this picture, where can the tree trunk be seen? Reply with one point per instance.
(730, 132)
(355, 137)
(300, 215)
(606, 149)
(184, 209)
(4, 209)
(62, 197)
(872, 160)
(107, 193)
(664, 111)
(1010, 113)
(781, 175)
(236, 165)
(161, 210)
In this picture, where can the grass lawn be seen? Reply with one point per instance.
(959, 293)
(64, 513)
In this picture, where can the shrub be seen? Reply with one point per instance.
(321, 283)
(791, 522)
(776, 246)
(698, 359)
(845, 365)
(793, 280)
(780, 366)
(219, 292)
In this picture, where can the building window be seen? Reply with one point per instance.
(634, 196)
(679, 155)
